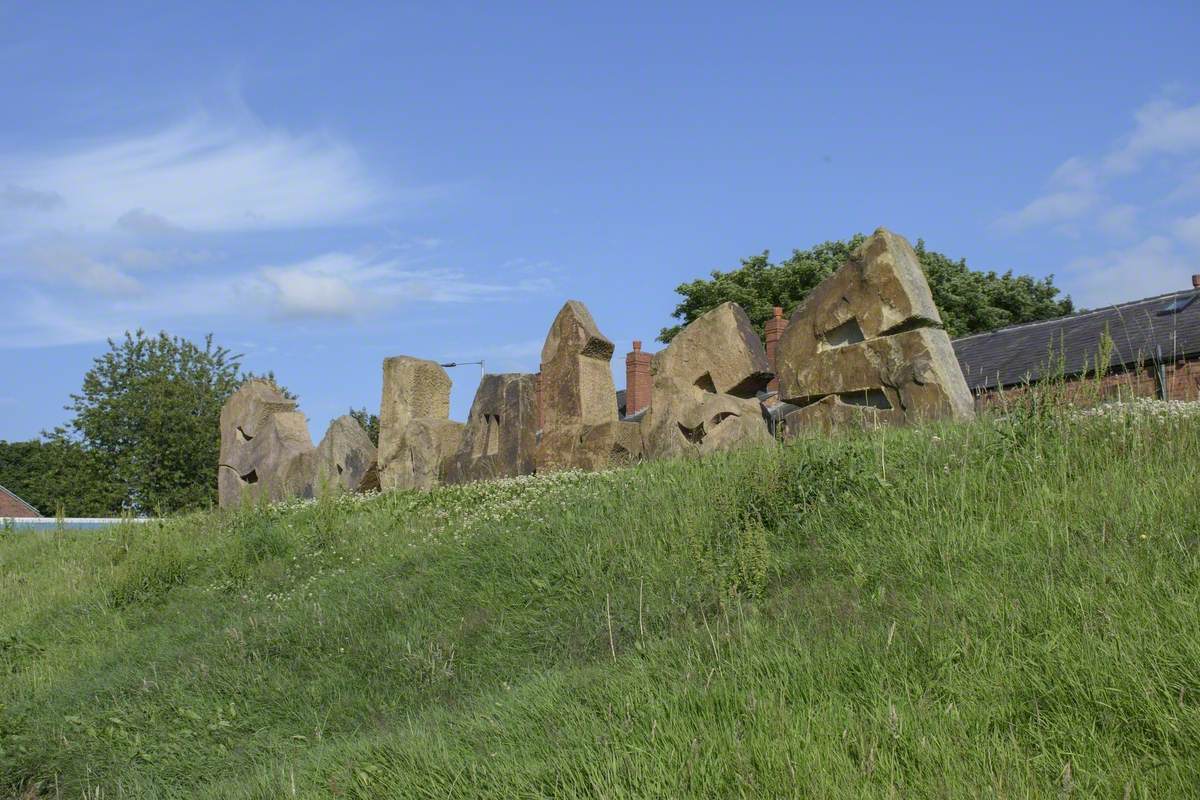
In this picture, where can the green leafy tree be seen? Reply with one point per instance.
(148, 416)
(59, 474)
(369, 422)
(970, 301)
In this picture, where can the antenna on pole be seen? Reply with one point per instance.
(463, 364)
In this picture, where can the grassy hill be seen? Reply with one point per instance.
(1004, 609)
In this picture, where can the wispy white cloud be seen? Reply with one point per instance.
(1056, 207)
(1149, 267)
(198, 174)
(347, 285)
(1188, 231)
(1161, 127)
(1080, 192)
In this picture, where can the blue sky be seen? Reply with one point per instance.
(323, 186)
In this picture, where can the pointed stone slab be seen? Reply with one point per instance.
(579, 415)
(866, 348)
(346, 459)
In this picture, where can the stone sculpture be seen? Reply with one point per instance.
(706, 385)
(416, 434)
(500, 439)
(346, 457)
(262, 435)
(866, 346)
(579, 414)
(267, 452)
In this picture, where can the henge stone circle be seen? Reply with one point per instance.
(500, 439)
(866, 347)
(346, 457)
(579, 412)
(706, 385)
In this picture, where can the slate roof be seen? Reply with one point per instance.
(1168, 324)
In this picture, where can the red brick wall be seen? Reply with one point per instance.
(1183, 383)
(12, 507)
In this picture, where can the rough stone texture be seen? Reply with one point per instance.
(263, 444)
(413, 388)
(578, 415)
(345, 458)
(864, 348)
(500, 438)
(427, 446)
(705, 387)
(627, 443)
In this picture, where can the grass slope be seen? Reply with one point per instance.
(1004, 609)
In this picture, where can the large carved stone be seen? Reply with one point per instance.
(413, 388)
(500, 438)
(579, 417)
(427, 446)
(866, 347)
(346, 459)
(705, 387)
(264, 445)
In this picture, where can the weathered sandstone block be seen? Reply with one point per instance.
(500, 438)
(865, 347)
(705, 387)
(264, 442)
(579, 415)
(413, 388)
(345, 458)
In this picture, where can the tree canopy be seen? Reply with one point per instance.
(970, 301)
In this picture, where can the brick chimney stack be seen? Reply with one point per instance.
(1196, 281)
(773, 331)
(638, 386)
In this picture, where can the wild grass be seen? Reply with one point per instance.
(1002, 609)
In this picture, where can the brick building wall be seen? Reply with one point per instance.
(12, 506)
(1182, 383)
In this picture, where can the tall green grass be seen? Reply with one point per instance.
(1004, 609)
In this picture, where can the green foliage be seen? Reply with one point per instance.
(60, 474)
(998, 609)
(149, 411)
(970, 301)
(369, 422)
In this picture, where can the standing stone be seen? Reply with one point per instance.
(427, 447)
(413, 388)
(866, 347)
(346, 459)
(500, 438)
(706, 385)
(578, 413)
(265, 446)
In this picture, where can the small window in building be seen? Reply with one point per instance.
(1178, 304)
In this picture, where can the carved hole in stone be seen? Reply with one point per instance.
(694, 435)
(250, 477)
(339, 468)
(493, 435)
(848, 332)
(910, 324)
(241, 435)
(721, 417)
(749, 388)
(705, 382)
(874, 398)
